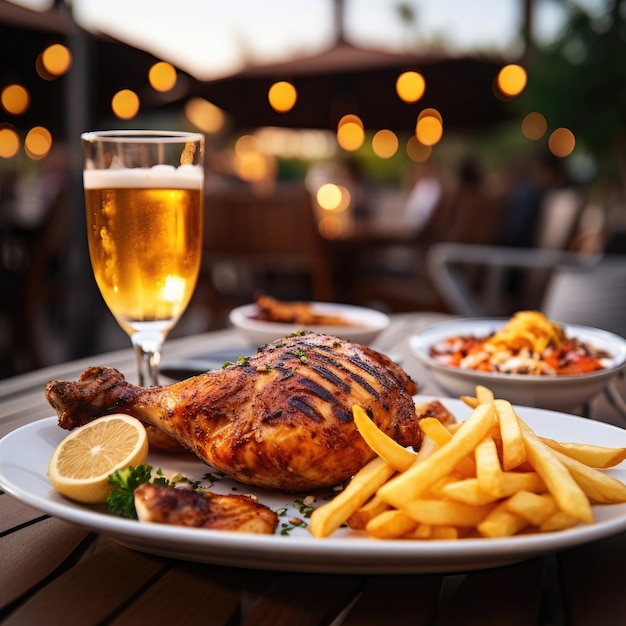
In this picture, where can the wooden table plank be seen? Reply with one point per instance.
(593, 578)
(305, 600)
(91, 591)
(506, 596)
(189, 594)
(16, 514)
(33, 553)
(397, 600)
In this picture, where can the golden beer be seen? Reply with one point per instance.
(145, 235)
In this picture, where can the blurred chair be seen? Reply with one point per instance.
(581, 289)
(589, 290)
(261, 243)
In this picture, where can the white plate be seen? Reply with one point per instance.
(365, 324)
(557, 393)
(25, 452)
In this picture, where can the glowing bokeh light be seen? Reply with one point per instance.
(125, 104)
(15, 99)
(205, 115)
(38, 143)
(329, 196)
(331, 226)
(534, 126)
(417, 151)
(333, 197)
(56, 59)
(350, 118)
(350, 136)
(410, 86)
(429, 127)
(162, 76)
(512, 80)
(385, 144)
(282, 96)
(250, 163)
(9, 143)
(562, 142)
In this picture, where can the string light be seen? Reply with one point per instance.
(282, 96)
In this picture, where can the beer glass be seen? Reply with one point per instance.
(144, 197)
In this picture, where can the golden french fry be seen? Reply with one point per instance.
(327, 518)
(390, 525)
(427, 448)
(533, 507)
(441, 435)
(470, 401)
(558, 521)
(484, 395)
(469, 491)
(423, 531)
(385, 447)
(433, 428)
(566, 491)
(589, 454)
(488, 470)
(501, 522)
(445, 513)
(598, 486)
(420, 476)
(513, 447)
(373, 507)
(445, 532)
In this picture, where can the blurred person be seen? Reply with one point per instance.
(472, 214)
(524, 203)
(424, 198)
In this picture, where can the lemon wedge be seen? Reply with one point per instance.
(80, 465)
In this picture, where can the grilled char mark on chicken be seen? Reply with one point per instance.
(281, 419)
(182, 507)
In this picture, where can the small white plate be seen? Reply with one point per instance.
(558, 393)
(25, 452)
(363, 326)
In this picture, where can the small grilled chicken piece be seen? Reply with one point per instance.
(183, 507)
(435, 409)
(281, 419)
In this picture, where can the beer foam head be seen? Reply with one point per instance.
(156, 177)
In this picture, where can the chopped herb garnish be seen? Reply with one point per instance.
(301, 354)
(121, 500)
(305, 506)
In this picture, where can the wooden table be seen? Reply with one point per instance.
(52, 572)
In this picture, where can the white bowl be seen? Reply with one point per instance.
(367, 323)
(559, 393)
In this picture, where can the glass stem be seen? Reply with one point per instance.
(148, 356)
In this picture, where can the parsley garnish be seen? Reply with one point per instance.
(121, 500)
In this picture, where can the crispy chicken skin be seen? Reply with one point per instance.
(183, 507)
(280, 419)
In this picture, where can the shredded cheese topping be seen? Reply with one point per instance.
(530, 330)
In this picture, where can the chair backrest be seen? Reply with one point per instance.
(269, 232)
(593, 295)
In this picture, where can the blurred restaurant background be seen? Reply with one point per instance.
(346, 140)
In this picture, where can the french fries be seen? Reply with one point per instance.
(488, 476)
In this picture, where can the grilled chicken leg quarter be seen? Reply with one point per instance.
(280, 419)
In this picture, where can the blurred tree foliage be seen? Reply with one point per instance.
(578, 80)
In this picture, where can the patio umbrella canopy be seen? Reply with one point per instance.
(347, 79)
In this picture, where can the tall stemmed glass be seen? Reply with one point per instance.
(144, 197)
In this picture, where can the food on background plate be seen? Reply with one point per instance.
(528, 343)
(300, 313)
(488, 476)
(280, 419)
